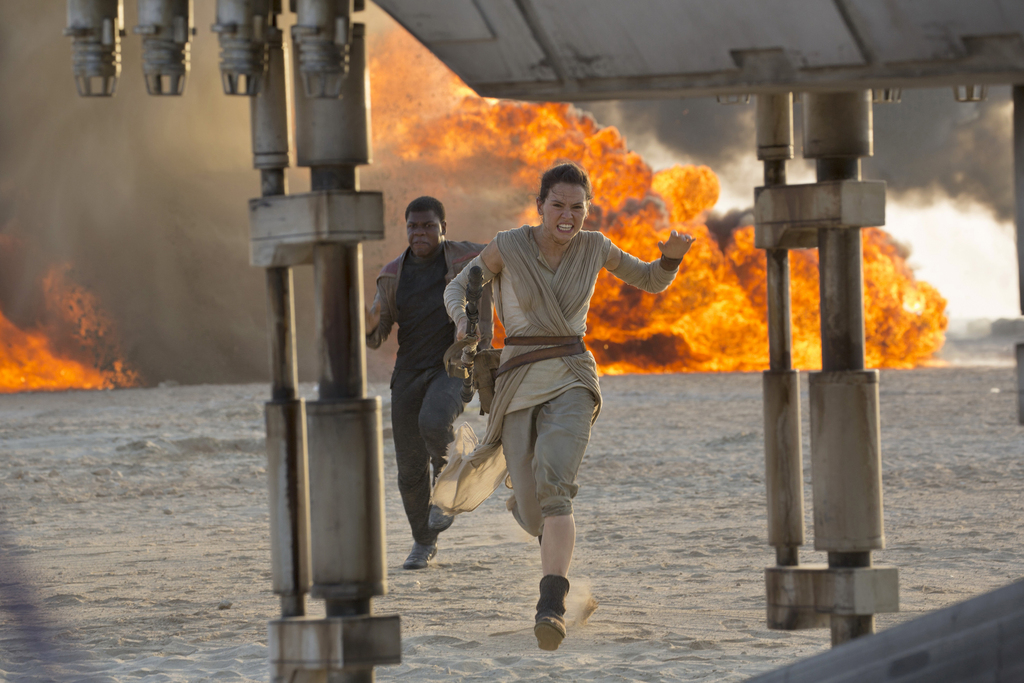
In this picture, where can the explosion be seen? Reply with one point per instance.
(73, 347)
(428, 124)
(714, 316)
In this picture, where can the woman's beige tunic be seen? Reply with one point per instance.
(532, 301)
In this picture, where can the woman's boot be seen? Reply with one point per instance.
(550, 626)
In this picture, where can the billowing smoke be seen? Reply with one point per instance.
(948, 167)
(140, 195)
(928, 145)
(146, 199)
(721, 226)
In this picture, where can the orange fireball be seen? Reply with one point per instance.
(713, 318)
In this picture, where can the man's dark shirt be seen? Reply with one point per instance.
(424, 329)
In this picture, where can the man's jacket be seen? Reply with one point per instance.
(457, 255)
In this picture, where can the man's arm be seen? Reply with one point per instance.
(378, 318)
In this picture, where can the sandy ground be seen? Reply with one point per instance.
(134, 542)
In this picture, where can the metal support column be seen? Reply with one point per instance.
(837, 133)
(1018, 186)
(845, 446)
(325, 228)
(781, 383)
(253, 32)
(783, 457)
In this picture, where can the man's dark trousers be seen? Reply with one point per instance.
(424, 404)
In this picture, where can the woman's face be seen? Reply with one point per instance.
(563, 212)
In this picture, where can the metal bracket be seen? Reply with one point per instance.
(284, 228)
(333, 643)
(805, 595)
(789, 216)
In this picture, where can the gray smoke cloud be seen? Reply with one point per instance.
(141, 195)
(926, 145)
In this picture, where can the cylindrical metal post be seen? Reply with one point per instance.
(837, 132)
(780, 336)
(288, 484)
(345, 435)
(269, 108)
(281, 319)
(287, 469)
(842, 299)
(340, 333)
(346, 452)
(783, 464)
(781, 384)
(775, 127)
(1018, 177)
(847, 465)
(336, 132)
(838, 125)
(347, 499)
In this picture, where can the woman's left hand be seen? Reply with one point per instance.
(676, 246)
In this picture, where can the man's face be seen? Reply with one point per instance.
(425, 230)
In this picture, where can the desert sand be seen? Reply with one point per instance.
(134, 535)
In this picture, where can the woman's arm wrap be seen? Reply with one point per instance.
(455, 292)
(651, 277)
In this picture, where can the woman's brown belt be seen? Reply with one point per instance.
(561, 346)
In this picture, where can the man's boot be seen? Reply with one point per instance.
(420, 555)
(550, 626)
(438, 521)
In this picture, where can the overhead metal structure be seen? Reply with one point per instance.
(576, 50)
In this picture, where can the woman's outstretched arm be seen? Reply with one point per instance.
(655, 276)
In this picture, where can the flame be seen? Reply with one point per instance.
(73, 349)
(713, 318)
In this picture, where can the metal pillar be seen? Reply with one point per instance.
(1018, 186)
(326, 473)
(285, 412)
(837, 132)
(783, 457)
(845, 447)
(325, 228)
